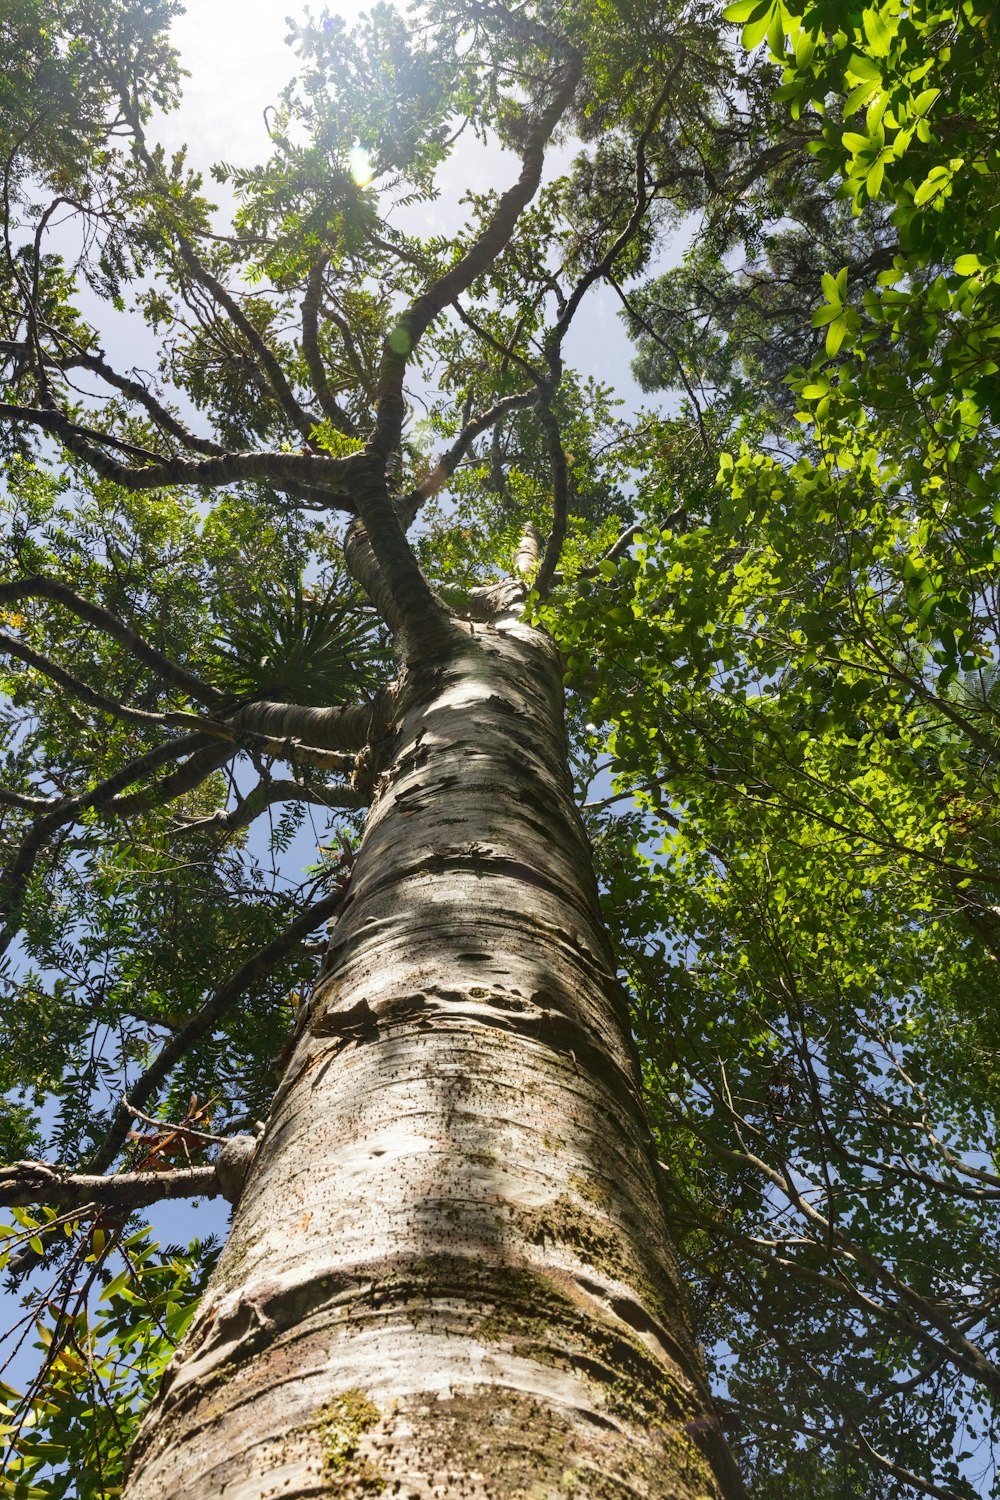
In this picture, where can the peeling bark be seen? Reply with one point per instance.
(449, 1272)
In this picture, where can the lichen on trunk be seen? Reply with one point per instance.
(449, 1272)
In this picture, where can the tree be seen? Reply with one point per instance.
(793, 662)
(449, 1267)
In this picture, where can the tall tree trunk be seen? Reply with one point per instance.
(449, 1272)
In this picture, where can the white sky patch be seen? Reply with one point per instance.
(237, 54)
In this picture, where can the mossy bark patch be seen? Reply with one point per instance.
(566, 1223)
(341, 1426)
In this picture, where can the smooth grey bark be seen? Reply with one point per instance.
(449, 1272)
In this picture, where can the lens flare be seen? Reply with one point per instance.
(360, 165)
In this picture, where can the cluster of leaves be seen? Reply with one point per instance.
(107, 926)
(127, 926)
(105, 1336)
(812, 944)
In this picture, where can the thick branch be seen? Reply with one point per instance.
(413, 596)
(345, 727)
(619, 547)
(27, 803)
(276, 468)
(196, 769)
(528, 548)
(420, 613)
(363, 566)
(27, 1182)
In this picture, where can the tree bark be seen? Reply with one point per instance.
(449, 1272)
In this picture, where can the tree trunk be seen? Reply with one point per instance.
(449, 1272)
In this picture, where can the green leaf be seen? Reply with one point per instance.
(932, 184)
(875, 177)
(831, 288)
(755, 30)
(863, 67)
(115, 1285)
(746, 10)
(925, 100)
(878, 33)
(860, 95)
(835, 335)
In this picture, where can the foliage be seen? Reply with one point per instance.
(103, 1356)
(812, 942)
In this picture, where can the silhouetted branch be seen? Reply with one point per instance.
(11, 646)
(559, 470)
(67, 809)
(408, 506)
(40, 587)
(265, 795)
(417, 604)
(332, 409)
(134, 390)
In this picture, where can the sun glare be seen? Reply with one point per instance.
(360, 165)
(238, 62)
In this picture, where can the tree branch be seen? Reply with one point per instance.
(418, 606)
(554, 338)
(344, 727)
(11, 646)
(100, 798)
(408, 506)
(363, 566)
(297, 468)
(265, 795)
(40, 587)
(27, 1182)
(560, 500)
(133, 389)
(206, 1018)
(332, 409)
